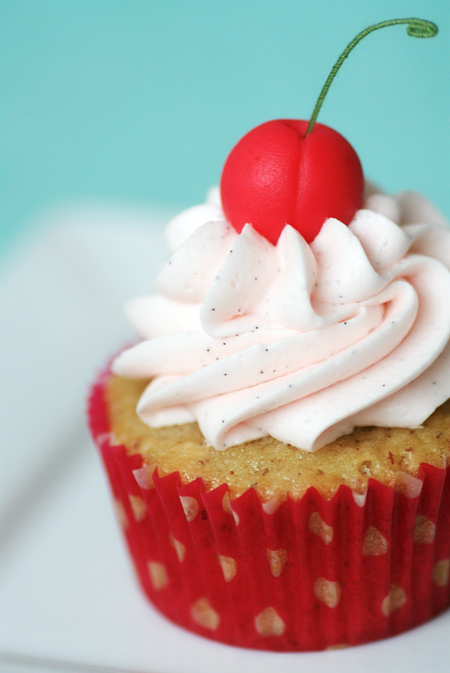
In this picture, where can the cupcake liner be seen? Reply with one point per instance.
(299, 575)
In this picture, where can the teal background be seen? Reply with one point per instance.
(140, 101)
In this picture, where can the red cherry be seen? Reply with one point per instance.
(296, 172)
(278, 175)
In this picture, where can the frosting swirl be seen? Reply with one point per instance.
(300, 342)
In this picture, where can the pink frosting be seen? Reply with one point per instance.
(300, 342)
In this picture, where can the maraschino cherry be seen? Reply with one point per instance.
(298, 172)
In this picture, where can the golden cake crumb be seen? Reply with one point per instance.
(271, 467)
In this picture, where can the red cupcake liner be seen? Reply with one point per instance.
(305, 575)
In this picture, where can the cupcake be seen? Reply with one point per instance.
(278, 441)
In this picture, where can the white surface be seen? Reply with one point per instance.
(61, 318)
(68, 597)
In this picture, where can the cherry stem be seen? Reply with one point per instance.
(416, 28)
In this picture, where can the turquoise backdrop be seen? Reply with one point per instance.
(140, 101)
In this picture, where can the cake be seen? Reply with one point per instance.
(278, 443)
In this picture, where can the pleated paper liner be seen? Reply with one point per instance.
(302, 575)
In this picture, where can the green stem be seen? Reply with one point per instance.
(416, 28)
